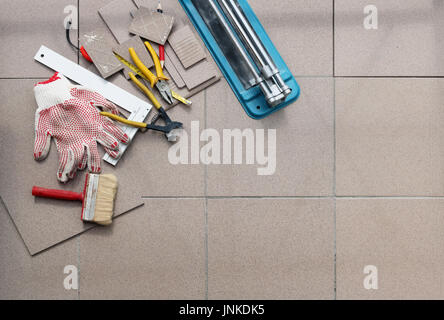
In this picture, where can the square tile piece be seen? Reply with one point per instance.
(290, 152)
(270, 249)
(150, 25)
(389, 137)
(99, 46)
(195, 76)
(186, 46)
(389, 248)
(160, 250)
(407, 41)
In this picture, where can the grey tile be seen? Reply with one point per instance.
(402, 238)
(157, 252)
(302, 31)
(304, 144)
(270, 249)
(408, 41)
(389, 137)
(26, 25)
(25, 277)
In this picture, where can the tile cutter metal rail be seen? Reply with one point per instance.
(245, 54)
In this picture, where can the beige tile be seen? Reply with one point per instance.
(270, 249)
(402, 238)
(304, 144)
(408, 41)
(389, 137)
(157, 252)
(26, 25)
(26, 277)
(302, 31)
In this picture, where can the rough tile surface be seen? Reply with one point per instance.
(152, 25)
(402, 238)
(20, 40)
(408, 41)
(302, 32)
(117, 16)
(186, 46)
(157, 252)
(303, 148)
(389, 137)
(270, 249)
(99, 46)
(26, 277)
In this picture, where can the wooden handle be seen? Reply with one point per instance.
(56, 194)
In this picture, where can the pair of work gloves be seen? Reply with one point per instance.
(70, 114)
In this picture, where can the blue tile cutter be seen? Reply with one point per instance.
(245, 54)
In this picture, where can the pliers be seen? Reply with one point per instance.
(170, 129)
(159, 80)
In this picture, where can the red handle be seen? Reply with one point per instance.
(56, 194)
(161, 53)
(85, 54)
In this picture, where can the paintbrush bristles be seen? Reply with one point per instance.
(106, 192)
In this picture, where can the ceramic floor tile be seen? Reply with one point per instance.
(408, 41)
(26, 277)
(389, 137)
(302, 31)
(157, 252)
(304, 144)
(19, 22)
(270, 249)
(402, 238)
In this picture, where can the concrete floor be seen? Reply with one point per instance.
(359, 179)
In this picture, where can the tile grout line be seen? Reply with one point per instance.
(78, 238)
(334, 161)
(334, 189)
(78, 268)
(206, 202)
(333, 37)
(333, 196)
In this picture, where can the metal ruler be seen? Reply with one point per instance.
(137, 71)
(138, 108)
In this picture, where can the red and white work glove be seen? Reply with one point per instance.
(69, 114)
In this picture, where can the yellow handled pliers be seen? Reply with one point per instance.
(159, 80)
